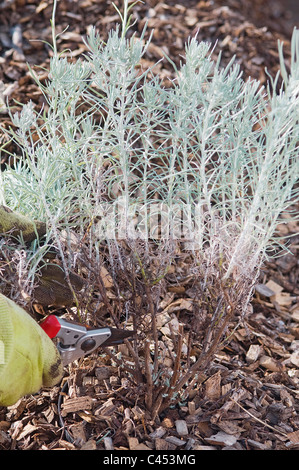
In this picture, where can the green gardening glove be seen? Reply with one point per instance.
(28, 357)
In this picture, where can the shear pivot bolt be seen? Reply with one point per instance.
(88, 344)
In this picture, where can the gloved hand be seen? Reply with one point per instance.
(14, 224)
(28, 357)
(53, 287)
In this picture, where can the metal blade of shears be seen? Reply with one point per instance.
(75, 340)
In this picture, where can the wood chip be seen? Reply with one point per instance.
(270, 364)
(253, 353)
(222, 439)
(181, 304)
(294, 436)
(89, 445)
(295, 314)
(142, 446)
(203, 447)
(168, 423)
(161, 444)
(213, 386)
(4, 438)
(274, 287)
(104, 372)
(108, 443)
(78, 432)
(28, 429)
(158, 433)
(72, 405)
(32, 422)
(284, 298)
(264, 290)
(181, 427)
(257, 445)
(106, 409)
(133, 443)
(294, 358)
(175, 440)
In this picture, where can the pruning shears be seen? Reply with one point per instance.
(76, 341)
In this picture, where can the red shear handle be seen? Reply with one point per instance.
(51, 326)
